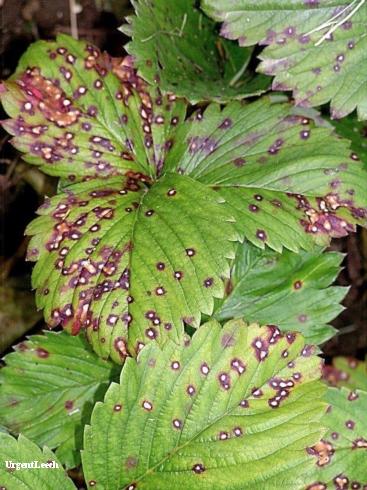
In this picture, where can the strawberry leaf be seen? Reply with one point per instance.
(341, 454)
(347, 372)
(137, 243)
(356, 131)
(316, 49)
(289, 290)
(176, 47)
(22, 450)
(128, 263)
(38, 400)
(78, 112)
(235, 408)
(281, 179)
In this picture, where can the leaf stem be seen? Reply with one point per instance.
(239, 74)
(73, 19)
(175, 32)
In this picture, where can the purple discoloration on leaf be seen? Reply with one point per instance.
(203, 144)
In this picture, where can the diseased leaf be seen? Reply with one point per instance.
(48, 388)
(131, 250)
(178, 48)
(356, 131)
(305, 53)
(129, 264)
(282, 180)
(78, 112)
(22, 450)
(347, 372)
(289, 290)
(341, 454)
(235, 408)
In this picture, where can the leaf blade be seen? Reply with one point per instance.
(38, 401)
(78, 112)
(177, 47)
(194, 442)
(340, 456)
(111, 285)
(289, 290)
(317, 72)
(284, 186)
(22, 450)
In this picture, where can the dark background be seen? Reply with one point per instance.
(22, 187)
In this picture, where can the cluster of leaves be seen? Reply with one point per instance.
(182, 206)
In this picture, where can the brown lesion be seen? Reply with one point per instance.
(360, 443)
(334, 376)
(317, 486)
(320, 214)
(131, 463)
(323, 451)
(50, 99)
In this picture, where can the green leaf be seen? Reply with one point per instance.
(282, 180)
(130, 264)
(318, 70)
(356, 131)
(347, 372)
(22, 450)
(341, 454)
(176, 47)
(130, 251)
(78, 112)
(235, 408)
(48, 388)
(289, 290)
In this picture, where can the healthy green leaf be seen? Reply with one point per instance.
(289, 290)
(341, 454)
(317, 49)
(48, 388)
(22, 450)
(176, 47)
(234, 408)
(142, 240)
(347, 372)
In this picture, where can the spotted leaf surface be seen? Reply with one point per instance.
(77, 112)
(39, 400)
(286, 182)
(305, 54)
(348, 372)
(130, 254)
(289, 290)
(235, 408)
(340, 457)
(356, 132)
(178, 48)
(22, 450)
(128, 264)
